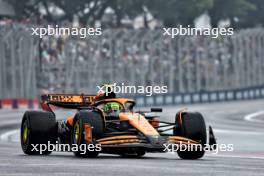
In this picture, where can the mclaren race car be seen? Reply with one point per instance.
(110, 123)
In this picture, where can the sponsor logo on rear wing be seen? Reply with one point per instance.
(67, 99)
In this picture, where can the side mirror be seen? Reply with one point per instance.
(156, 109)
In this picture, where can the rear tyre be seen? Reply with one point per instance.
(95, 120)
(37, 128)
(192, 126)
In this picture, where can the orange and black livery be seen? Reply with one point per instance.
(112, 123)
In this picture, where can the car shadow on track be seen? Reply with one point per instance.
(106, 157)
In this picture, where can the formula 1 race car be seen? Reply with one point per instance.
(110, 123)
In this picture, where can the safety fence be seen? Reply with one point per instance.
(143, 57)
(18, 51)
(193, 67)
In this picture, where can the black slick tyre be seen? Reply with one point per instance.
(37, 127)
(95, 120)
(191, 125)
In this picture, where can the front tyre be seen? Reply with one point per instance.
(95, 120)
(192, 126)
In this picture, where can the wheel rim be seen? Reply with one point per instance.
(76, 134)
(25, 132)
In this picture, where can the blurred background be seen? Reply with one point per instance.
(132, 49)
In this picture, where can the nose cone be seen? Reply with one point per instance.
(140, 123)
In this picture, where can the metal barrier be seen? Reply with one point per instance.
(190, 66)
(201, 97)
(19, 104)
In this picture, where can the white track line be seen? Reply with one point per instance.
(235, 156)
(226, 131)
(250, 117)
(6, 136)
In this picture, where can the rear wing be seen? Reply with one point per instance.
(66, 100)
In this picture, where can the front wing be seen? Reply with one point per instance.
(149, 142)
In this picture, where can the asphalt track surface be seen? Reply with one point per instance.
(237, 123)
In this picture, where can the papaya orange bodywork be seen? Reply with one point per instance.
(70, 121)
(149, 128)
(88, 133)
(139, 122)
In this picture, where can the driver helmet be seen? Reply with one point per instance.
(112, 108)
